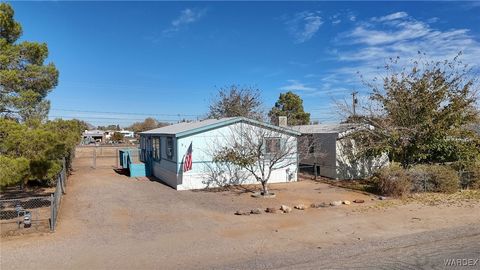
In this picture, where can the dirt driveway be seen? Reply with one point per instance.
(108, 220)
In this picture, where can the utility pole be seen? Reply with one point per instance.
(354, 102)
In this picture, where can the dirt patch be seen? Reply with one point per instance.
(108, 220)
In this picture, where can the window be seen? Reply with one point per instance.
(170, 149)
(272, 145)
(156, 148)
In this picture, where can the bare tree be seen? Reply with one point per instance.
(234, 101)
(259, 151)
(311, 149)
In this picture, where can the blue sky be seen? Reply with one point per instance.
(164, 59)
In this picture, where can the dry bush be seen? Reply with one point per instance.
(434, 178)
(392, 181)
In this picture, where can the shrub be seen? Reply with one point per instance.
(392, 181)
(434, 178)
(444, 179)
(420, 176)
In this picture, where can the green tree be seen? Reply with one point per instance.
(232, 101)
(290, 105)
(42, 146)
(13, 171)
(25, 80)
(422, 113)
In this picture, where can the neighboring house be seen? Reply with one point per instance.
(332, 151)
(109, 134)
(127, 133)
(163, 150)
(93, 136)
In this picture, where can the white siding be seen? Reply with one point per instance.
(349, 167)
(338, 162)
(205, 173)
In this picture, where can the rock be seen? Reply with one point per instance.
(358, 201)
(316, 205)
(286, 209)
(242, 213)
(382, 198)
(346, 202)
(299, 207)
(336, 203)
(271, 210)
(256, 211)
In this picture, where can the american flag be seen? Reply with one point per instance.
(187, 160)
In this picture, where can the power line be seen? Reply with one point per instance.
(107, 118)
(125, 113)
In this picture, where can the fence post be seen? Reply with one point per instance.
(62, 184)
(64, 178)
(94, 157)
(64, 168)
(52, 213)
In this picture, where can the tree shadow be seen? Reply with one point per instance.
(157, 180)
(15, 192)
(8, 208)
(235, 189)
(224, 176)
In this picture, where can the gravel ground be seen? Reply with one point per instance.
(108, 220)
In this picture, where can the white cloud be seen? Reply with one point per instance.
(368, 45)
(294, 85)
(391, 17)
(304, 25)
(186, 17)
(398, 31)
(403, 36)
(336, 21)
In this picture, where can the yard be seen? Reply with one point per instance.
(108, 220)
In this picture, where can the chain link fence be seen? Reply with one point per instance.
(26, 214)
(467, 178)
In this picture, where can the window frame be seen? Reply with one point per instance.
(170, 149)
(268, 145)
(156, 148)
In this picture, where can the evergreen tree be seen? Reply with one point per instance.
(25, 80)
(290, 105)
